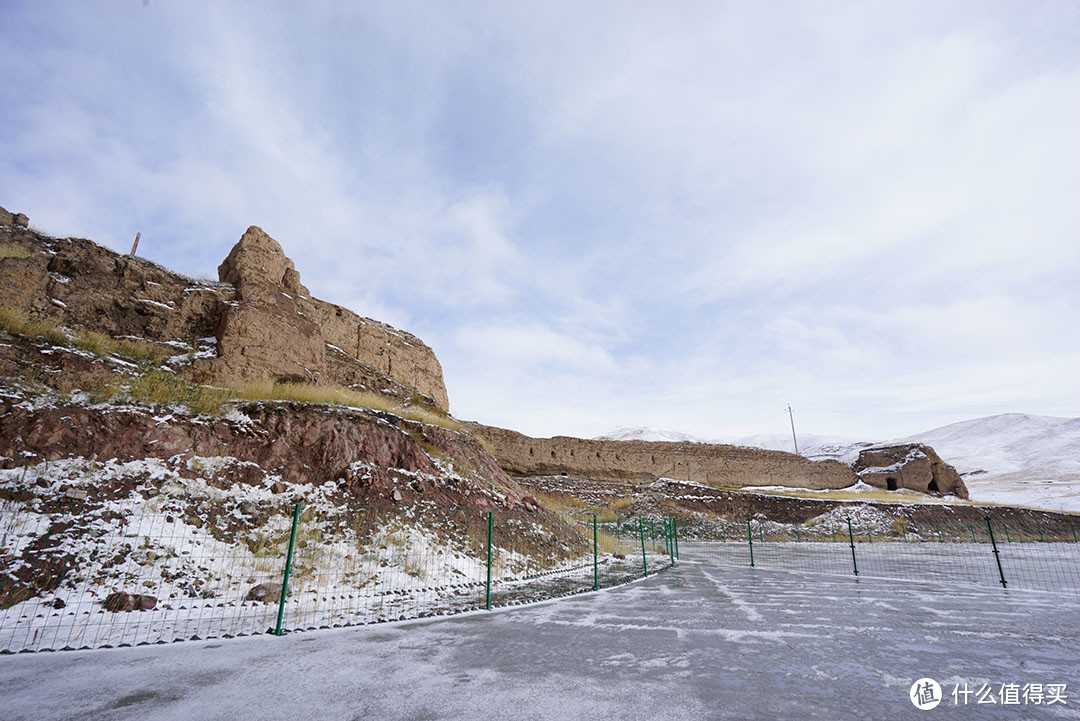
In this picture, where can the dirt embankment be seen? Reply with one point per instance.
(695, 502)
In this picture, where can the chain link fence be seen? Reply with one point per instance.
(1017, 555)
(77, 575)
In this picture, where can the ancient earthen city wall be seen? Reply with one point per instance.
(714, 465)
(266, 324)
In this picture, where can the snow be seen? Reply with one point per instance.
(1013, 458)
(153, 302)
(648, 434)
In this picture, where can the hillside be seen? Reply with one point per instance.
(1014, 458)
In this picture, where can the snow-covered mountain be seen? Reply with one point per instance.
(1009, 446)
(1014, 458)
(647, 433)
(816, 448)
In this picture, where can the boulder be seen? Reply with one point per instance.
(265, 593)
(6, 218)
(21, 220)
(120, 601)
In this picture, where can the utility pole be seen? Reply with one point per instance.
(791, 415)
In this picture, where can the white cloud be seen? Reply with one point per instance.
(668, 216)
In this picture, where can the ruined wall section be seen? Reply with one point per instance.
(388, 351)
(266, 324)
(644, 461)
(912, 466)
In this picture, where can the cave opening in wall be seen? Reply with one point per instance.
(932, 487)
(890, 484)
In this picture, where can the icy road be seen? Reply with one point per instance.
(701, 641)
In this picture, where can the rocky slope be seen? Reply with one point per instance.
(264, 323)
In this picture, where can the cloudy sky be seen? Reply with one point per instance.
(602, 214)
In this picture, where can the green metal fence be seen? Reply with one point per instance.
(1015, 555)
(138, 571)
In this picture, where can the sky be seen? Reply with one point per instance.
(601, 214)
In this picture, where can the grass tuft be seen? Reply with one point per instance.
(334, 395)
(12, 250)
(20, 324)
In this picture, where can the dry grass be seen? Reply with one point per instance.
(11, 250)
(334, 395)
(165, 389)
(20, 324)
(557, 503)
(101, 344)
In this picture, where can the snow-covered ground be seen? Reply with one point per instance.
(705, 641)
(208, 561)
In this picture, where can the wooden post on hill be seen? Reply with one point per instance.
(135, 245)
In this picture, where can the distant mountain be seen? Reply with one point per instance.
(1014, 458)
(1009, 446)
(813, 447)
(816, 448)
(646, 433)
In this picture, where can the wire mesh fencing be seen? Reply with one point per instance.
(130, 571)
(1017, 555)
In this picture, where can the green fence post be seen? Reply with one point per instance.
(972, 532)
(997, 556)
(675, 536)
(491, 528)
(644, 560)
(1073, 528)
(671, 541)
(868, 538)
(1007, 539)
(833, 534)
(750, 536)
(761, 531)
(938, 534)
(288, 570)
(1039, 526)
(595, 557)
(851, 537)
(723, 533)
(797, 539)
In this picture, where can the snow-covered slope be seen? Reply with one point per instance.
(1014, 458)
(1009, 446)
(646, 433)
(816, 448)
